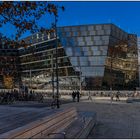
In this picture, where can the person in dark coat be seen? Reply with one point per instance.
(117, 96)
(78, 96)
(73, 96)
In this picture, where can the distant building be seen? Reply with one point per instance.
(101, 56)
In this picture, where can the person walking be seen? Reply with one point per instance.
(89, 96)
(111, 97)
(135, 94)
(78, 96)
(73, 96)
(117, 96)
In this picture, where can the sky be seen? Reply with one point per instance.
(126, 15)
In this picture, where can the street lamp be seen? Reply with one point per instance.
(56, 63)
(55, 12)
(80, 81)
(52, 72)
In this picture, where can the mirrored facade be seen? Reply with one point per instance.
(89, 47)
(100, 56)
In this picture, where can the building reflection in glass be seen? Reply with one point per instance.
(100, 56)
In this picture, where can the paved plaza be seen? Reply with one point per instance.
(116, 120)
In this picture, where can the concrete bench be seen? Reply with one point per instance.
(44, 126)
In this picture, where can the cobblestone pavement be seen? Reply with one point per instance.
(116, 120)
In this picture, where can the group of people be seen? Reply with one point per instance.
(117, 95)
(76, 94)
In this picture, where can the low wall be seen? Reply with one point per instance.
(84, 92)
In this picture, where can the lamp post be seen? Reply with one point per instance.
(56, 64)
(55, 12)
(52, 75)
(80, 81)
(30, 78)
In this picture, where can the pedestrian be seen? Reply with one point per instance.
(117, 96)
(78, 96)
(73, 96)
(89, 96)
(101, 94)
(30, 95)
(135, 94)
(40, 97)
(111, 97)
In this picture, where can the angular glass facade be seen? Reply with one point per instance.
(121, 70)
(100, 56)
(89, 48)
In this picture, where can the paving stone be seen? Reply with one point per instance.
(116, 120)
(119, 120)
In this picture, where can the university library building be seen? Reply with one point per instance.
(95, 57)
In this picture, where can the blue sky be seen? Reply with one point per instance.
(126, 15)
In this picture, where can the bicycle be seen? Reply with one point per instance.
(55, 102)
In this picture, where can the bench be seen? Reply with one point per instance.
(78, 129)
(37, 129)
(65, 123)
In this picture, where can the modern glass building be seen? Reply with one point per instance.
(105, 54)
(38, 64)
(98, 56)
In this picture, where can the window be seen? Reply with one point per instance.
(74, 61)
(83, 61)
(77, 51)
(82, 28)
(69, 51)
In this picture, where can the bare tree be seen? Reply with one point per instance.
(24, 15)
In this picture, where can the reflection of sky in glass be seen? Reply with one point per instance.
(92, 71)
(74, 61)
(85, 50)
(77, 51)
(64, 42)
(71, 42)
(84, 61)
(69, 51)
